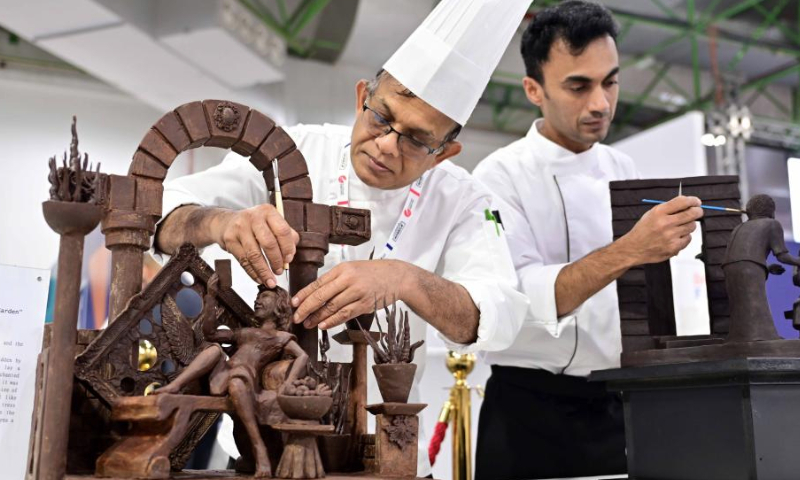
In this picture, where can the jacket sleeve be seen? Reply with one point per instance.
(536, 278)
(234, 183)
(476, 256)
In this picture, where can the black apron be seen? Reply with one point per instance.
(535, 424)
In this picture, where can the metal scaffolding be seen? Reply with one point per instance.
(755, 29)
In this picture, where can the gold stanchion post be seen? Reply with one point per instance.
(461, 409)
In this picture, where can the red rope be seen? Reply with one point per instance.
(436, 441)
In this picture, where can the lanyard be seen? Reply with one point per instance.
(401, 226)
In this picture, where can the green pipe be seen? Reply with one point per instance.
(644, 95)
(678, 89)
(785, 31)
(695, 52)
(778, 104)
(309, 13)
(769, 20)
(667, 11)
(625, 30)
(282, 11)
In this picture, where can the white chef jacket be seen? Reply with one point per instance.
(448, 234)
(559, 210)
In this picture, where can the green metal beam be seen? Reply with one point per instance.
(755, 96)
(704, 22)
(770, 77)
(663, 45)
(272, 23)
(290, 29)
(754, 84)
(769, 21)
(282, 11)
(775, 102)
(796, 96)
(796, 105)
(709, 11)
(297, 13)
(684, 29)
(695, 28)
(637, 104)
(677, 88)
(625, 30)
(667, 11)
(738, 8)
(309, 9)
(690, 11)
(785, 31)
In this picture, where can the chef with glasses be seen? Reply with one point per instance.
(439, 248)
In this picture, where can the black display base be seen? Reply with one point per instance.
(731, 419)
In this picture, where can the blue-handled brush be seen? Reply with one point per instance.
(707, 207)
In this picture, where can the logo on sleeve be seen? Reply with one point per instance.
(494, 217)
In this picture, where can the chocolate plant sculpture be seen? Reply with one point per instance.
(74, 209)
(239, 376)
(393, 355)
(334, 375)
(396, 420)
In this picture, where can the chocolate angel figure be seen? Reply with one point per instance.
(240, 376)
(746, 271)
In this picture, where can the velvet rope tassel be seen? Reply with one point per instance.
(439, 433)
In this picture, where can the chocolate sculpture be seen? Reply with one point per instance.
(707, 406)
(746, 271)
(794, 313)
(394, 354)
(74, 209)
(155, 380)
(239, 376)
(396, 420)
(735, 271)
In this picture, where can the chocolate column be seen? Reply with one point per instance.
(73, 221)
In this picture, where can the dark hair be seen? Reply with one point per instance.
(576, 22)
(382, 74)
(761, 206)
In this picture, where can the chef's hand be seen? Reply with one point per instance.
(663, 231)
(250, 234)
(348, 290)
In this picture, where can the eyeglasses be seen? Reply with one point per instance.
(408, 146)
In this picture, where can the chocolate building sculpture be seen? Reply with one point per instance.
(111, 428)
(708, 406)
(746, 271)
(645, 292)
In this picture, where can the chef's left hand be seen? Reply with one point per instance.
(348, 290)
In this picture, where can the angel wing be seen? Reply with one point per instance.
(179, 331)
(199, 338)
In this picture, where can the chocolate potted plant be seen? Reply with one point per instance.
(394, 354)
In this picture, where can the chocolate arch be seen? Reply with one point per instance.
(134, 201)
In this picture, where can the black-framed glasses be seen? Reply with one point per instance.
(408, 146)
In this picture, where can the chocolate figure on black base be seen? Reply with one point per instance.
(746, 271)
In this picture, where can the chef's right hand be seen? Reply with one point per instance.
(663, 231)
(259, 237)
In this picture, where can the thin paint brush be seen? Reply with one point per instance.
(279, 201)
(707, 207)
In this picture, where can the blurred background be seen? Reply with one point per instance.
(707, 87)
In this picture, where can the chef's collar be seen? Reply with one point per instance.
(361, 192)
(558, 159)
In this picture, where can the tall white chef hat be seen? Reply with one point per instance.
(448, 60)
